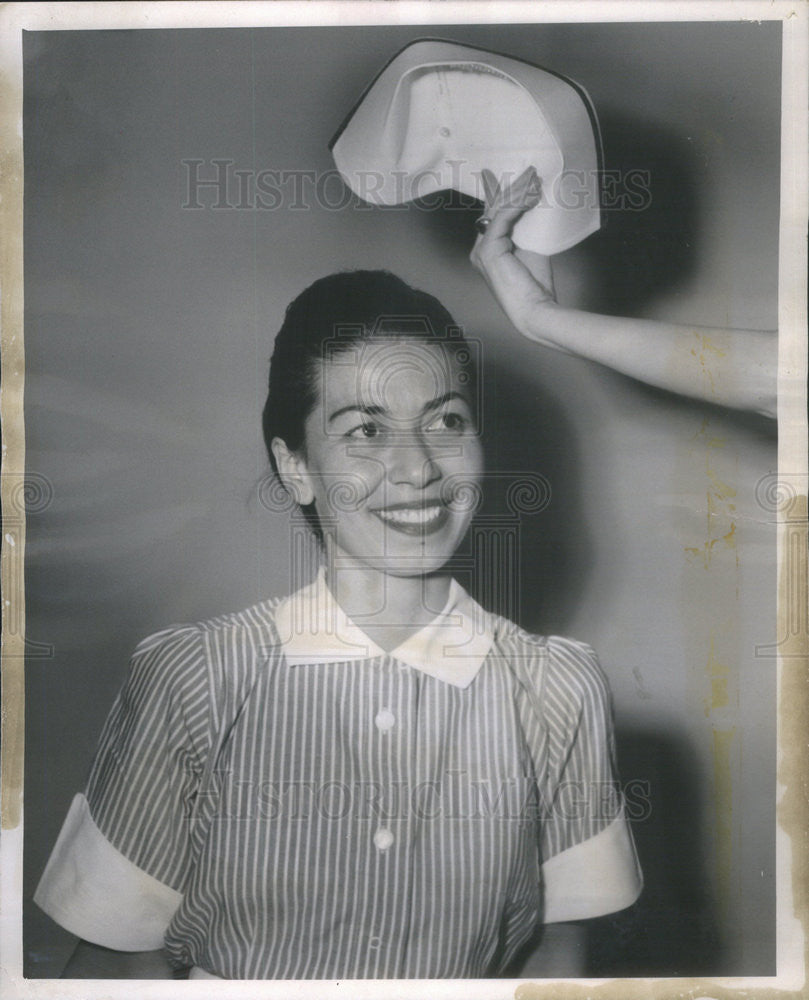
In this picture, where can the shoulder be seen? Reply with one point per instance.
(575, 680)
(256, 624)
(183, 652)
(566, 670)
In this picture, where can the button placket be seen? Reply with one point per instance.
(384, 722)
(389, 724)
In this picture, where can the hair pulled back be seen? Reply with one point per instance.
(333, 314)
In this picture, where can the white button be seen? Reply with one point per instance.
(383, 839)
(385, 719)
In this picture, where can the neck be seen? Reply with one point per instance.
(388, 608)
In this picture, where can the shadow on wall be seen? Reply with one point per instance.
(647, 245)
(525, 554)
(673, 929)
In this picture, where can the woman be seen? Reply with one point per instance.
(372, 778)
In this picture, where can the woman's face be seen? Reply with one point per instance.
(392, 457)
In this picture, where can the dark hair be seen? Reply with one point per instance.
(333, 314)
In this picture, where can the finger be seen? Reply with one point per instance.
(502, 223)
(524, 191)
(503, 218)
(526, 187)
(490, 187)
(535, 183)
(498, 194)
(521, 180)
(496, 239)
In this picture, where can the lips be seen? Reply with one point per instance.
(414, 519)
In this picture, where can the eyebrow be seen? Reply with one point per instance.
(375, 411)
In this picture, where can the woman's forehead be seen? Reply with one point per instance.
(389, 373)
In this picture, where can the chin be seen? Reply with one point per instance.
(397, 555)
(405, 566)
(424, 568)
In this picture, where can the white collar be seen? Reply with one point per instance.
(314, 629)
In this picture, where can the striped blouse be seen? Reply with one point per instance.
(274, 797)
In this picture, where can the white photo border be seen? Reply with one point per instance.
(793, 812)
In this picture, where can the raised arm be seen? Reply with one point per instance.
(733, 368)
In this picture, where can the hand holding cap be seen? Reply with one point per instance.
(439, 113)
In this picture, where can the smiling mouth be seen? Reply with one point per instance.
(416, 519)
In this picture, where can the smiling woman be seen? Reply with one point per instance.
(375, 777)
(396, 425)
(389, 454)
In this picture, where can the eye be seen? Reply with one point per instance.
(451, 421)
(365, 431)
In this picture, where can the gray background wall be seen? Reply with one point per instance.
(148, 331)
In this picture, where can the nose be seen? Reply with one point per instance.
(411, 461)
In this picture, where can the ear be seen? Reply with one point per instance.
(293, 472)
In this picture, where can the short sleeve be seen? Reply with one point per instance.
(590, 866)
(123, 857)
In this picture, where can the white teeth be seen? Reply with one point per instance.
(415, 515)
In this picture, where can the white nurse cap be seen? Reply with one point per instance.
(439, 113)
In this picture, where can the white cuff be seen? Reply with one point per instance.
(93, 891)
(197, 973)
(600, 875)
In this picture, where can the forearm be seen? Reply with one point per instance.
(91, 961)
(733, 368)
(560, 954)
